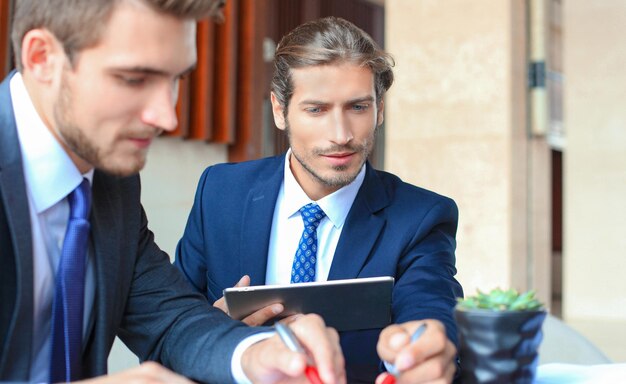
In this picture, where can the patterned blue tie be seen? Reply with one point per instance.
(303, 269)
(67, 310)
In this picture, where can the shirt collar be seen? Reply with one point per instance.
(49, 172)
(336, 205)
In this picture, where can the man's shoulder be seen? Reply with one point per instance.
(244, 172)
(269, 163)
(402, 192)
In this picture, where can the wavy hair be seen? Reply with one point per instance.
(330, 40)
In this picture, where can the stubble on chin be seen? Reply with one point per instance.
(338, 178)
(341, 177)
(75, 140)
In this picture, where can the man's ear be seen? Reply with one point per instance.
(278, 111)
(381, 116)
(41, 54)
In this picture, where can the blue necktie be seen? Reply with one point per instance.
(67, 310)
(303, 269)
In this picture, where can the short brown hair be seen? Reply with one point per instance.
(78, 24)
(327, 41)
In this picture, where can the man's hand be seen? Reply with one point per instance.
(257, 318)
(429, 359)
(270, 361)
(148, 372)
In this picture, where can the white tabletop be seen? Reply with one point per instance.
(581, 374)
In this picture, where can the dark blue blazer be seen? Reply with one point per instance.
(139, 295)
(393, 229)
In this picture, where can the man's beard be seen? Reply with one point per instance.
(341, 179)
(70, 133)
(78, 142)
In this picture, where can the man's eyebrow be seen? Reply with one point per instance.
(312, 102)
(368, 98)
(152, 71)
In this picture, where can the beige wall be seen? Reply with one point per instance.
(168, 185)
(595, 171)
(456, 123)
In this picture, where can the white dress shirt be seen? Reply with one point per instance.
(50, 176)
(287, 226)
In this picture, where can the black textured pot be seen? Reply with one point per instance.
(499, 347)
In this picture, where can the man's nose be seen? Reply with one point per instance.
(342, 130)
(160, 112)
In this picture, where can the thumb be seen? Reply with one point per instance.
(243, 282)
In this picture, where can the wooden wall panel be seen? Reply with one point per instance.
(251, 86)
(211, 89)
(5, 43)
(225, 76)
(182, 109)
(201, 85)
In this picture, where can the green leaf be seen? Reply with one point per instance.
(501, 300)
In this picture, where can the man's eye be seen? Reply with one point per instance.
(314, 110)
(360, 107)
(132, 80)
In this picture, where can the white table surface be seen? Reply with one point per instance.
(579, 374)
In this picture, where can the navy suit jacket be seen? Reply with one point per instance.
(140, 296)
(393, 229)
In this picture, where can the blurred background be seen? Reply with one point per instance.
(515, 109)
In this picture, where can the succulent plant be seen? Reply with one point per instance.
(501, 300)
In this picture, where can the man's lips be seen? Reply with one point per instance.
(141, 142)
(338, 159)
(339, 155)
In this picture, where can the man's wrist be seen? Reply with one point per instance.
(236, 367)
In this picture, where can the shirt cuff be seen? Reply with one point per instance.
(235, 363)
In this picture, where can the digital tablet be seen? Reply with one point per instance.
(345, 305)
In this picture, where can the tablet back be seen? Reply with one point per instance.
(345, 305)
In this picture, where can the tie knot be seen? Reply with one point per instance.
(80, 201)
(312, 214)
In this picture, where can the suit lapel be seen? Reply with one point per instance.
(16, 251)
(362, 228)
(257, 224)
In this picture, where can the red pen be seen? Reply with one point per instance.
(291, 341)
(393, 372)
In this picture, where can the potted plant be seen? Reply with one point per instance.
(499, 335)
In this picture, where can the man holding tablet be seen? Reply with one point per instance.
(321, 212)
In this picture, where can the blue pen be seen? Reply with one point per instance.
(391, 379)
